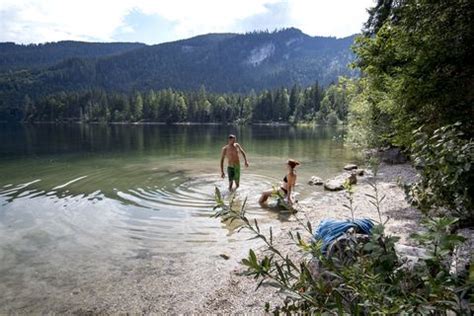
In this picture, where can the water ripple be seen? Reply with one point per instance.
(167, 210)
(68, 183)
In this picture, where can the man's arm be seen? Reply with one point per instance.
(222, 162)
(243, 154)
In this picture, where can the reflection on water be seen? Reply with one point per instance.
(163, 140)
(80, 204)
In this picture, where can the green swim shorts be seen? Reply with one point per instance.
(234, 173)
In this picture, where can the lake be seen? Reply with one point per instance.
(118, 217)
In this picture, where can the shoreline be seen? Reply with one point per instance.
(237, 295)
(143, 123)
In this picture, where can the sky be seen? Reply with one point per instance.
(158, 21)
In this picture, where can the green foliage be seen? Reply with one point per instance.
(437, 238)
(349, 189)
(446, 183)
(332, 118)
(417, 68)
(363, 278)
(368, 125)
(415, 75)
(334, 106)
(171, 106)
(137, 107)
(376, 198)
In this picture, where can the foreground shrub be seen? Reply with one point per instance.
(367, 279)
(446, 184)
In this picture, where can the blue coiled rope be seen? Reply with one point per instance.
(331, 229)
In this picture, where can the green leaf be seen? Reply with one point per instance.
(252, 257)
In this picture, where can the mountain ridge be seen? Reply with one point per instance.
(15, 57)
(221, 62)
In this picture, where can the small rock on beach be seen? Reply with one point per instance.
(315, 181)
(337, 183)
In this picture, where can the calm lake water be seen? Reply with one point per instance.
(108, 218)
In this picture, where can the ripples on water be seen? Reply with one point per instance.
(98, 242)
(158, 217)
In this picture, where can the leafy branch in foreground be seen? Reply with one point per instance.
(360, 276)
(375, 199)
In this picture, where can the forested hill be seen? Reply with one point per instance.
(230, 62)
(35, 56)
(220, 62)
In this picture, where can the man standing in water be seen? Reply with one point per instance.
(231, 152)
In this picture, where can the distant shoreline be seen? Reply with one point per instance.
(164, 123)
(144, 123)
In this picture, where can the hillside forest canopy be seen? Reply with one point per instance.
(259, 76)
(293, 105)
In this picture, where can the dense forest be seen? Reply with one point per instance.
(311, 104)
(417, 66)
(223, 63)
(416, 92)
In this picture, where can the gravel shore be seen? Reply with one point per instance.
(237, 294)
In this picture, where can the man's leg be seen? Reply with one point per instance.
(231, 174)
(237, 176)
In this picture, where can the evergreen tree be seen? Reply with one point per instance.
(29, 109)
(136, 109)
(294, 99)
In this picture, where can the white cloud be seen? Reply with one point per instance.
(203, 16)
(28, 21)
(52, 20)
(335, 17)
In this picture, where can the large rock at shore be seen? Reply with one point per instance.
(315, 181)
(409, 256)
(350, 167)
(360, 172)
(462, 254)
(391, 155)
(337, 183)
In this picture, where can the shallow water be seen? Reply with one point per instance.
(91, 214)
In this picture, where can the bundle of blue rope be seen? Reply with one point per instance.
(331, 229)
